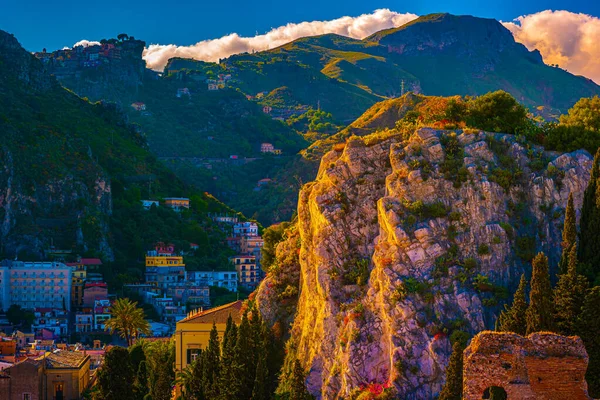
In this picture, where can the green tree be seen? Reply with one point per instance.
(496, 112)
(161, 360)
(569, 295)
(230, 371)
(271, 236)
(585, 113)
(587, 328)
(140, 387)
(195, 389)
(116, 376)
(453, 387)
(539, 315)
(17, 316)
(589, 235)
(456, 110)
(211, 365)
(128, 320)
(260, 390)
(122, 36)
(512, 319)
(298, 386)
(569, 235)
(185, 379)
(244, 359)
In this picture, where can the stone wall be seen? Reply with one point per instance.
(540, 366)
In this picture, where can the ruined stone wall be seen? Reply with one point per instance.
(540, 366)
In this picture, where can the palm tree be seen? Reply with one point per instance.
(127, 319)
(185, 380)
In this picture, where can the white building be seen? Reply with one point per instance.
(35, 285)
(244, 229)
(147, 204)
(224, 279)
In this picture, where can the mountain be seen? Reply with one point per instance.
(438, 54)
(405, 245)
(73, 175)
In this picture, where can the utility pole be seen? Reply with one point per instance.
(402, 88)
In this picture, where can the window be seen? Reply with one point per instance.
(26, 396)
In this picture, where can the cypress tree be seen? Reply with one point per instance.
(588, 328)
(228, 374)
(116, 376)
(140, 387)
(539, 315)
(589, 235)
(196, 389)
(569, 295)
(298, 386)
(244, 358)
(211, 365)
(453, 387)
(260, 390)
(569, 235)
(512, 319)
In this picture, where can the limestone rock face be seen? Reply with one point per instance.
(392, 206)
(540, 366)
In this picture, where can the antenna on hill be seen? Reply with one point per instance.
(318, 105)
(402, 88)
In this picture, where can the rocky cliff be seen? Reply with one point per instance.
(407, 243)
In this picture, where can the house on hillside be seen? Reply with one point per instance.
(147, 204)
(138, 106)
(269, 148)
(213, 86)
(267, 109)
(177, 203)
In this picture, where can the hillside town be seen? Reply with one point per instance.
(55, 313)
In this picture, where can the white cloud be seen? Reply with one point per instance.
(157, 55)
(86, 43)
(568, 39)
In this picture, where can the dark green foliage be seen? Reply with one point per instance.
(271, 236)
(212, 365)
(357, 272)
(569, 235)
(513, 318)
(161, 377)
(525, 247)
(589, 237)
(453, 165)
(453, 387)
(116, 376)
(587, 328)
(456, 111)
(569, 295)
(140, 387)
(496, 112)
(260, 390)
(540, 314)
(19, 317)
(483, 249)
(297, 385)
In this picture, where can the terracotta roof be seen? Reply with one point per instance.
(65, 359)
(218, 315)
(90, 261)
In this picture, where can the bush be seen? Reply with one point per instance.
(483, 249)
(525, 247)
(357, 272)
(497, 112)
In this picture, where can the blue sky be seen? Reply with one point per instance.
(57, 23)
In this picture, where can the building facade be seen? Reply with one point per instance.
(249, 273)
(224, 279)
(34, 285)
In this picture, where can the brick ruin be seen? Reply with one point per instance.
(541, 366)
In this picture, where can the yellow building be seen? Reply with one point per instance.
(66, 374)
(192, 333)
(164, 261)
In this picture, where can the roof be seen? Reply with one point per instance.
(65, 359)
(218, 315)
(177, 198)
(90, 261)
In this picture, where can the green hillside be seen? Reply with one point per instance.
(74, 173)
